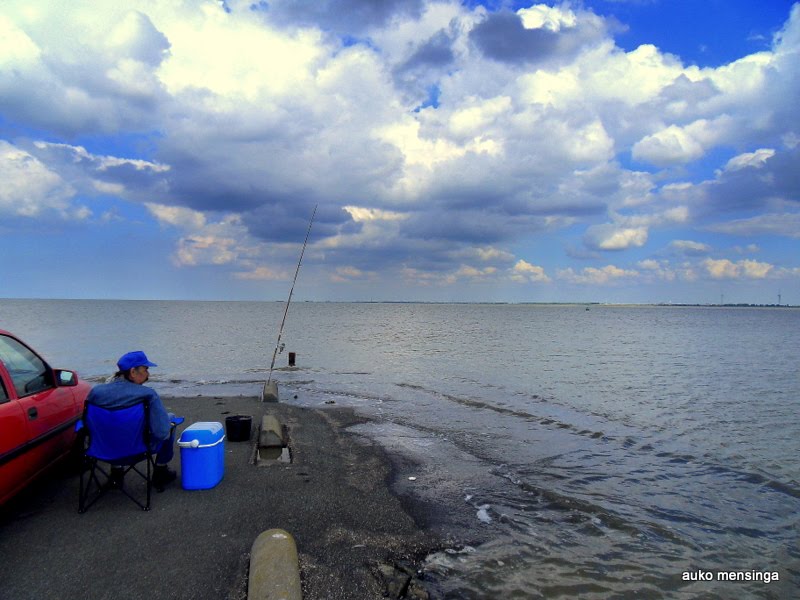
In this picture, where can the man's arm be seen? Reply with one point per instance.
(159, 418)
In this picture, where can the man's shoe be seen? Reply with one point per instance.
(116, 478)
(162, 476)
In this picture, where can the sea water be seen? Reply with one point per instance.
(597, 451)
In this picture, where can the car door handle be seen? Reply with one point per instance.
(33, 413)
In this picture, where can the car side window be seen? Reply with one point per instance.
(29, 373)
(3, 392)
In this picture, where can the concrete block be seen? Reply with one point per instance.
(270, 392)
(274, 568)
(271, 435)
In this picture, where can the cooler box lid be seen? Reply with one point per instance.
(203, 434)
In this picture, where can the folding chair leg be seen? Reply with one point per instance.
(86, 492)
(82, 491)
(92, 489)
(149, 480)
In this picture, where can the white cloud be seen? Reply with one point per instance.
(472, 121)
(178, 216)
(230, 69)
(754, 269)
(590, 143)
(134, 38)
(101, 162)
(347, 274)
(613, 237)
(406, 35)
(260, 273)
(632, 78)
(632, 231)
(421, 154)
(670, 216)
(491, 253)
(663, 270)
(781, 224)
(743, 269)
(196, 250)
(544, 87)
(689, 247)
(649, 264)
(791, 140)
(420, 148)
(745, 77)
(79, 67)
(671, 145)
(754, 160)
(362, 214)
(470, 272)
(377, 227)
(594, 276)
(677, 145)
(16, 48)
(204, 242)
(541, 16)
(29, 188)
(484, 254)
(525, 272)
(419, 277)
(660, 270)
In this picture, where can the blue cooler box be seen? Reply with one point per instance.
(202, 455)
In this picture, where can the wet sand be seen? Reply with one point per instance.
(334, 497)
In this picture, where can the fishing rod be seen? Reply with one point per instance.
(289, 300)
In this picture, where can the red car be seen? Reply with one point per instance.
(39, 406)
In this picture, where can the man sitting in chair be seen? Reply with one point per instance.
(125, 389)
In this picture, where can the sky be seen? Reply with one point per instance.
(626, 151)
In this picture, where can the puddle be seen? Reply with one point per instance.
(266, 456)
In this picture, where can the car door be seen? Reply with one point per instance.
(36, 417)
(13, 437)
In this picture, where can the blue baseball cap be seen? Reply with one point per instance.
(134, 359)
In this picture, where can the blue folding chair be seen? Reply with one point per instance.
(118, 438)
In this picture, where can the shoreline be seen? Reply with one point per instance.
(356, 536)
(543, 303)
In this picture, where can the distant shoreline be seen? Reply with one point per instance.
(430, 302)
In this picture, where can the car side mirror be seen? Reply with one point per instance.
(66, 378)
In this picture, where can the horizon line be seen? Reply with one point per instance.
(490, 302)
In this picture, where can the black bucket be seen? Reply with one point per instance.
(237, 428)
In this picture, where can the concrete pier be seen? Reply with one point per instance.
(332, 498)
